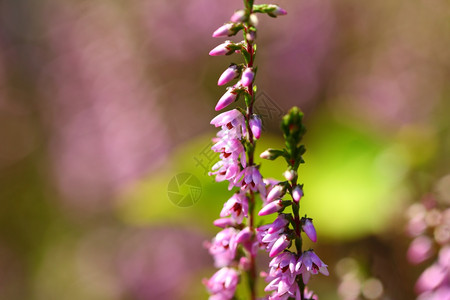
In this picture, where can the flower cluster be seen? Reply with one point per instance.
(430, 227)
(235, 247)
(289, 271)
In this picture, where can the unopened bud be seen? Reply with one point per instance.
(275, 193)
(271, 208)
(228, 75)
(275, 10)
(226, 99)
(297, 194)
(221, 49)
(289, 174)
(239, 16)
(255, 126)
(309, 229)
(247, 77)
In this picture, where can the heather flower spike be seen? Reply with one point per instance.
(235, 246)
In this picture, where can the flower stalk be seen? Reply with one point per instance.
(234, 248)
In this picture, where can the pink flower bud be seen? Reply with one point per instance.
(275, 193)
(309, 229)
(297, 194)
(228, 75)
(221, 49)
(255, 126)
(239, 16)
(244, 235)
(271, 208)
(251, 36)
(244, 263)
(226, 99)
(279, 245)
(420, 250)
(247, 77)
(224, 30)
(224, 222)
(289, 174)
(277, 11)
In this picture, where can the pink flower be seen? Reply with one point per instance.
(223, 247)
(277, 11)
(271, 207)
(255, 126)
(225, 170)
(224, 30)
(280, 244)
(289, 174)
(279, 223)
(239, 16)
(309, 263)
(282, 277)
(419, 250)
(224, 222)
(237, 207)
(222, 285)
(247, 77)
(251, 179)
(229, 148)
(229, 74)
(227, 98)
(297, 194)
(232, 123)
(275, 193)
(431, 278)
(309, 229)
(221, 49)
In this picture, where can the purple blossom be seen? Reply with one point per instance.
(222, 285)
(432, 277)
(221, 49)
(227, 98)
(270, 208)
(280, 222)
(274, 242)
(229, 74)
(247, 77)
(255, 126)
(277, 11)
(420, 250)
(309, 229)
(226, 170)
(224, 30)
(282, 277)
(224, 222)
(237, 207)
(289, 174)
(309, 263)
(251, 179)
(275, 193)
(229, 148)
(239, 16)
(297, 194)
(232, 123)
(223, 247)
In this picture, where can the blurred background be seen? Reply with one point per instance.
(104, 124)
